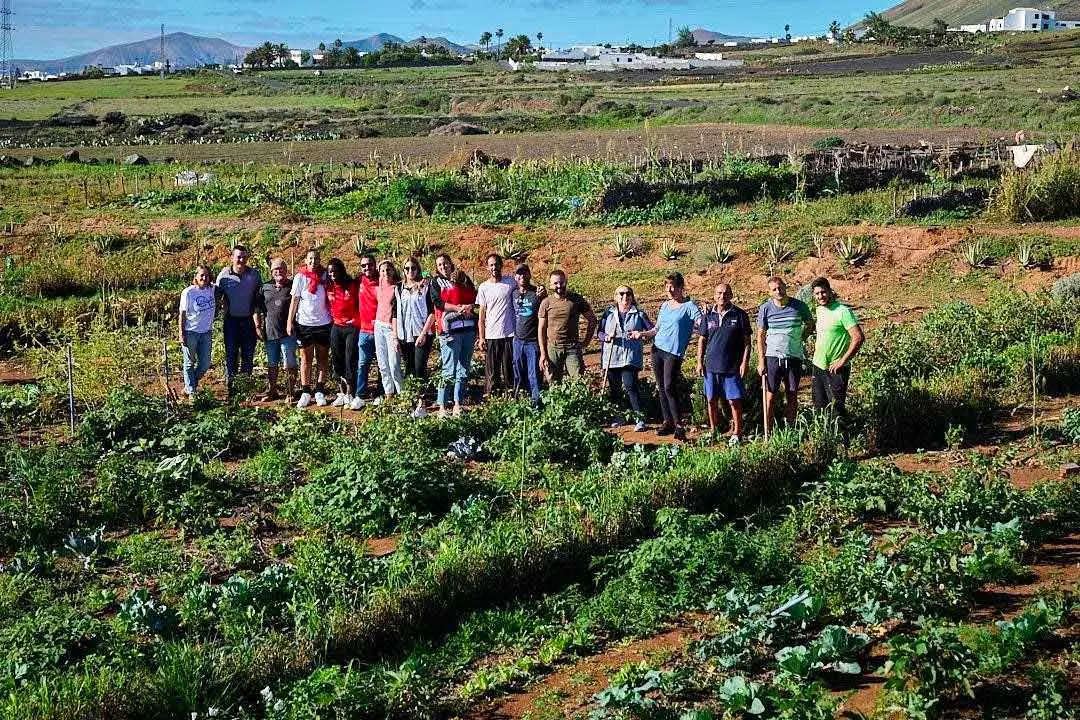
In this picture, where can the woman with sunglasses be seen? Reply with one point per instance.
(415, 321)
(620, 354)
(342, 295)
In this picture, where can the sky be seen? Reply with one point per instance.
(47, 29)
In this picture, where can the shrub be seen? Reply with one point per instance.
(1066, 291)
(1049, 192)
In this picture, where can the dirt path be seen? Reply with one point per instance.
(679, 141)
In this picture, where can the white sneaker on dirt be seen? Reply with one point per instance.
(733, 441)
(348, 400)
(340, 400)
(377, 401)
(304, 401)
(420, 411)
(639, 426)
(320, 399)
(357, 403)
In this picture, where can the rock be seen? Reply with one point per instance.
(71, 156)
(8, 161)
(1069, 470)
(136, 159)
(32, 161)
(458, 128)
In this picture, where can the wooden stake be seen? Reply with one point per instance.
(71, 389)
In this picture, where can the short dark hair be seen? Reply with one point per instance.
(676, 279)
(558, 272)
(241, 248)
(495, 255)
(823, 284)
(522, 268)
(368, 256)
(444, 255)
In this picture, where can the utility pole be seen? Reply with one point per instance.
(7, 47)
(669, 30)
(163, 63)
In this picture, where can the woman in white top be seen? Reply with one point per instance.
(197, 306)
(309, 322)
(415, 320)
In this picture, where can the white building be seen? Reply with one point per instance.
(1024, 19)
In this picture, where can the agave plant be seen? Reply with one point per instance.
(361, 246)
(103, 244)
(417, 246)
(777, 251)
(510, 250)
(976, 255)
(625, 247)
(169, 244)
(723, 253)
(853, 251)
(819, 244)
(668, 250)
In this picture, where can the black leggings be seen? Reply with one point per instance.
(345, 355)
(627, 378)
(667, 368)
(414, 358)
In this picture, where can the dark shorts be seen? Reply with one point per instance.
(788, 371)
(730, 385)
(313, 335)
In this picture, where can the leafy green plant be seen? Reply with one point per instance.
(140, 612)
(976, 254)
(624, 246)
(669, 250)
(854, 251)
(723, 252)
(777, 251)
(1070, 424)
(742, 695)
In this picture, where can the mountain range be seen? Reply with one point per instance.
(922, 13)
(181, 49)
(704, 37)
(376, 42)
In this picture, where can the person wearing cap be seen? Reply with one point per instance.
(526, 299)
(271, 325)
(237, 284)
(495, 325)
(620, 356)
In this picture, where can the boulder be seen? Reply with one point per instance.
(136, 159)
(33, 161)
(458, 128)
(71, 156)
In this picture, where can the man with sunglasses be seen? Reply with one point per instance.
(365, 324)
(527, 298)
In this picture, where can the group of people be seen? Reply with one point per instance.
(327, 328)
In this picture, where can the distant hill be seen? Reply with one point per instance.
(375, 42)
(704, 37)
(443, 42)
(921, 13)
(181, 49)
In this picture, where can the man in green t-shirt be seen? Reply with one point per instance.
(839, 337)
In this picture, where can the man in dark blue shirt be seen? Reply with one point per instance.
(723, 357)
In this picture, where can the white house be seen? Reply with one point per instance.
(1024, 19)
(1067, 25)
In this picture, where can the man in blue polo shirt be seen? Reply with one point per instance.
(238, 285)
(723, 357)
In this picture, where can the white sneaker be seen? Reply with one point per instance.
(639, 426)
(340, 400)
(420, 411)
(357, 403)
(304, 401)
(320, 399)
(377, 401)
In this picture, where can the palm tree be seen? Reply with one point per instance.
(518, 46)
(499, 34)
(485, 41)
(540, 41)
(834, 30)
(787, 32)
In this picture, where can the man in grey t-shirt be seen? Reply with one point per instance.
(237, 285)
(783, 324)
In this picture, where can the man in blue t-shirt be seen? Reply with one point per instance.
(723, 357)
(783, 324)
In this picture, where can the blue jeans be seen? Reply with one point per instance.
(527, 365)
(365, 341)
(239, 346)
(196, 349)
(282, 350)
(455, 352)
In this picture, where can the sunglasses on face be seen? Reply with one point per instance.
(623, 293)
(411, 267)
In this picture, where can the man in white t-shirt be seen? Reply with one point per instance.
(197, 306)
(495, 296)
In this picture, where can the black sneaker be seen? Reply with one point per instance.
(679, 433)
(665, 430)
